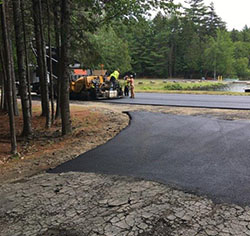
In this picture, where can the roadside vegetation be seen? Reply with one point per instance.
(183, 87)
(177, 85)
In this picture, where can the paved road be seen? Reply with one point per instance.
(201, 155)
(188, 100)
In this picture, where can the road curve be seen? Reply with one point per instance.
(187, 100)
(200, 155)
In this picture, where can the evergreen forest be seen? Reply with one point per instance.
(191, 42)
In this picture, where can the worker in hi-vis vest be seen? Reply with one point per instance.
(114, 77)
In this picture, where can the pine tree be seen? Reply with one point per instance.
(21, 68)
(9, 75)
(213, 21)
(65, 36)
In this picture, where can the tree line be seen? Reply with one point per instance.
(191, 42)
(32, 30)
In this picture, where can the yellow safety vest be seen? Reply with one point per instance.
(115, 74)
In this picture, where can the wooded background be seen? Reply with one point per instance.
(190, 42)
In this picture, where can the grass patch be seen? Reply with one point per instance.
(171, 85)
(200, 86)
(195, 92)
(183, 87)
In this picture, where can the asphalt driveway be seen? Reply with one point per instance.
(201, 155)
(187, 100)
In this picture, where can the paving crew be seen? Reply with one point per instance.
(114, 77)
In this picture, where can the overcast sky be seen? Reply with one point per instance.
(236, 13)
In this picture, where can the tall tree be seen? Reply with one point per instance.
(213, 22)
(26, 57)
(235, 35)
(4, 79)
(12, 64)
(140, 37)
(196, 12)
(56, 14)
(246, 34)
(51, 79)
(2, 90)
(65, 37)
(219, 54)
(13, 81)
(6, 40)
(21, 68)
(161, 49)
(41, 59)
(112, 50)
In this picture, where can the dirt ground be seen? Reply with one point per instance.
(94, 123)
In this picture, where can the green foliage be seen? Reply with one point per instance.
(212, 21)
(235, 35)
(241, 67)
(242, 49)
(139, 37)
(246, 34)
(160, 48)
(119, 34)
(192, 54)
(104, 11)
(193, 86)
(90, 15)
(219, 54)
(178, 86)
(192, 44)
(173, 86)
(112, 50)
(242, 59)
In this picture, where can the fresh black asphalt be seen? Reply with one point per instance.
(196, 154)
(187, 100)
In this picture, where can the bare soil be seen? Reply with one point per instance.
(47, 148)
(93, 124)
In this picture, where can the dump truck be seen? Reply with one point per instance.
(94, 87)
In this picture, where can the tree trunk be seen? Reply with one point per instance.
(44, 64)
(6, 40)
(170, 61)
(58, 53)
(13, 81)
(21, 68)
(65, 37)
(4, 104)
(38, 51)
(50, 67)
(41, 60)
(215, 70)
(2, 91)
(26, 58)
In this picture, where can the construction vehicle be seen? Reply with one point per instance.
(94, 87)
(84, 84)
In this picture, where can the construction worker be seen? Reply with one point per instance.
(132, 86)
(126, 86)
(114, 77)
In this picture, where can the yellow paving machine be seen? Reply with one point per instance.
(94, 87)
